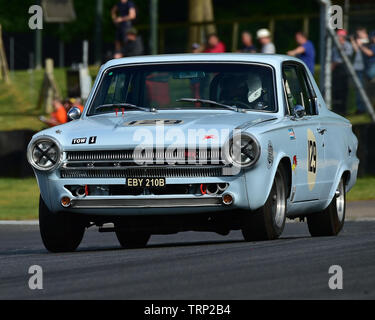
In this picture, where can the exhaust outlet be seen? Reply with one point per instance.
(81, 192)
(212, 189)
(222, 187)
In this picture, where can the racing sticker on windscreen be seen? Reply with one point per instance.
(312, 159)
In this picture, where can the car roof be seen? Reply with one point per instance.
(271, 59)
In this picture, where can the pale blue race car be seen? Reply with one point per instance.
(205, 142)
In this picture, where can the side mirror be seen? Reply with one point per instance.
(299, 111)
(74, 114)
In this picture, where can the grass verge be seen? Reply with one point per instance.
(18, 100)
(364, 189)
(20, 197)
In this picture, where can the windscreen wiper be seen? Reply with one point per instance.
(113, 106)
(215, 103)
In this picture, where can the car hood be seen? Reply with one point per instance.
(128, 131)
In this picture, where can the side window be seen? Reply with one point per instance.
(297, 89)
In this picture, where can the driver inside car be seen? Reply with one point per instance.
(244, 90)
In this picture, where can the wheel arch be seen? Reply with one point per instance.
(345, 173)
(286, 163)
(260, 180)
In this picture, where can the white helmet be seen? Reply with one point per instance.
(263, 33)
(255, 88)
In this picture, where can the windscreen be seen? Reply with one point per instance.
(169, 86)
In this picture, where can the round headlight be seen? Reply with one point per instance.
(244, 150)
(44, 154)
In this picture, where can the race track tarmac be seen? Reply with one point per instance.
(192, 266)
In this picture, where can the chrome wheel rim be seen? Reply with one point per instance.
(340, 201)
(278, 200)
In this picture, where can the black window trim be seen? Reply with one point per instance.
(308, 83)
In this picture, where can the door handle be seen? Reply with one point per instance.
(322, 130)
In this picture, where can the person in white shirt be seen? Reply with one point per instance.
(264, 38)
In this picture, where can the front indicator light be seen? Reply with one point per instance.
(65, 202)
(227, 199)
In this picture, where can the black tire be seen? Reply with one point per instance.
(132, 239)
(264, 224)
(330, 221)
(60, 232)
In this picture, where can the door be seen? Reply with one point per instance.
(308, 150)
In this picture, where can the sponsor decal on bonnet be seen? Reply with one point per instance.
(79, 141)
(92, 140)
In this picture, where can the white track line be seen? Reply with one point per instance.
(20, 223)
(362, 219)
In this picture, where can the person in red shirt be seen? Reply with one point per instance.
(214, 45)
(75, 102)
(58, 116)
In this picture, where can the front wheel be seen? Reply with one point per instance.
(268, 222)
(330, 221)
(60, 232)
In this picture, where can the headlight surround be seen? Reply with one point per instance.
(44, 153)
(244, 150)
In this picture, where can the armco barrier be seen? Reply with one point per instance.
(366, 149)
(13, 144)
(13, 162)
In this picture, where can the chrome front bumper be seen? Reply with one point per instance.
(102, 202)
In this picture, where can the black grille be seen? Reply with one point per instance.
(187, 156)
(166, 172)
(124, 163)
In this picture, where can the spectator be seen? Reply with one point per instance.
(247, 43)
(118, 54)
(74, 102)
(196, 48)
(305, 51)
(339, 74)
(371, 57)
(264, 37)
(214, 45)
(58, 116)
(368, 52)
(359, 44)
(133, 45)
(123, 14)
